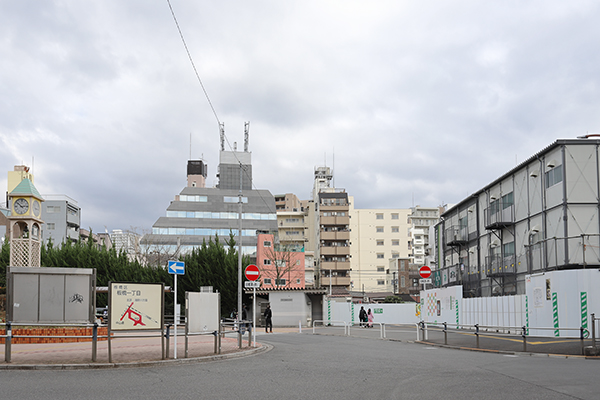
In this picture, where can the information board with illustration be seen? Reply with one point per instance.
(135, 306)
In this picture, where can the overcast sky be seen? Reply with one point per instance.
(410, 102)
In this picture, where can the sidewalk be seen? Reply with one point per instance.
(127, 351)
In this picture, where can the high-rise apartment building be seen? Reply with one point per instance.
(329, 232)
(421, 219)
(377, 236)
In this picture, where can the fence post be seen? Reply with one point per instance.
(581, 330)
(524, 334)
(477, 334)
(446, 333)
(8, 340)
(94, 341)
(168, 336)
(594, 330)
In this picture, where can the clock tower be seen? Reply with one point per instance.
(25, 225)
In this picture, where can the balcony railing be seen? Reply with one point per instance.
(498, 217)
(456, 235)
(497, 265)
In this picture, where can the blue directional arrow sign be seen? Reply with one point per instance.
(176, 267)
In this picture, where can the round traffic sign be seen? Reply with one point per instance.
(252, 273)
(425, 272)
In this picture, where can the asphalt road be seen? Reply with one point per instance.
(305, 366)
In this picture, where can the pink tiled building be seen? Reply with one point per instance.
(279, 268)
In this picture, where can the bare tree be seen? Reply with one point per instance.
(283, 261)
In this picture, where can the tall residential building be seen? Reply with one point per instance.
(199, 214)
(287, 202)
(540, 216)
(421, 219)
(331, 233)
(292, 231)
(62, 219)
(377, 236)
(126, 241)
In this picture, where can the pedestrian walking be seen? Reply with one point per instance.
(370, 318)
(268, 319)
(362, 316)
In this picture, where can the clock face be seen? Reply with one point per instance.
(36, 208)
(21, 206)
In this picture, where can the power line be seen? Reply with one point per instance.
(208, 99)
(192, 61)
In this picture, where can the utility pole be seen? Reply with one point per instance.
(239, 307)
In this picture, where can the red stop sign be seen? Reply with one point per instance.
(425, 272)
(252, 273)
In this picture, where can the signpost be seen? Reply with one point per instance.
(425, 273)
(252, 273)
(175, 268)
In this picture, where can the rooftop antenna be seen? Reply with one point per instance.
(222, 131)
(246, 132)
(333, 168)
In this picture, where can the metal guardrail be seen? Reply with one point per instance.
(8, 336)
(164, 333)
(329, 323)
(348, 325)
(382, 334)
(423, 329)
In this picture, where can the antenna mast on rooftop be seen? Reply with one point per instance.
(246, 132)
(222, 131)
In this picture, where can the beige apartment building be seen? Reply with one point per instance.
(292, 223)
(377, 236)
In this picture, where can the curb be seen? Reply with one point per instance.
(515, 353)
(138, 364)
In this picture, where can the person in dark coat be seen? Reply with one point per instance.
(362, 316)
(268, 319)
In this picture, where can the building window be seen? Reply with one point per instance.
(380, 269)
(395, 254)
(379, 229)
(50, 226)
(280, 282)
(507, 200)
(267, 243)
(267, 281)
(395, 216)
(379, 216)
(395, 242)
(232, 199)
(52, 209)
(379, 255)
(380, 243)
(402, 281)
(395, 229)
(298, 281)
(266, 262)
(380, 282)
(554, 176)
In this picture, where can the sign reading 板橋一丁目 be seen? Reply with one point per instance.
(135, 306)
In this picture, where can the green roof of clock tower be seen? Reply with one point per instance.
(26, 188)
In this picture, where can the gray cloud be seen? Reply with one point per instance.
(414, 103)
